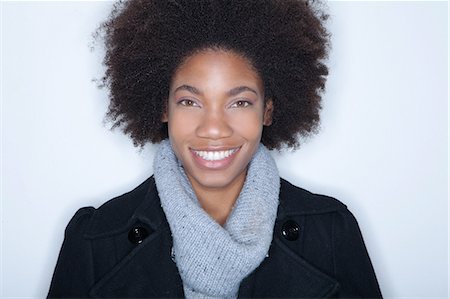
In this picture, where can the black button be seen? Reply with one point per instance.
(290, 230)
(137, 234)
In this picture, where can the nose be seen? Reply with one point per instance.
(214, 125)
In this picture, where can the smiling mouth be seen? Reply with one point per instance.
(215, 155)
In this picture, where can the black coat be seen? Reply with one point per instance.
(123, 249)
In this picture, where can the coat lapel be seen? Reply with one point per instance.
(145, 272)
(148, 270)
(285, 274)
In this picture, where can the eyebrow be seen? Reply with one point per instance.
(232, 92)
(237, 90)
(189, 88)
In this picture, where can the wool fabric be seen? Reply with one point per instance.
(213, 260)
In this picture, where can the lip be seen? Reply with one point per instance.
(214, 164)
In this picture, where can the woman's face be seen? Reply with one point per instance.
(215, 117)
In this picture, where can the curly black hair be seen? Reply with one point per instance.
(284, 40)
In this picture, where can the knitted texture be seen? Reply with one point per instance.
(213, 260)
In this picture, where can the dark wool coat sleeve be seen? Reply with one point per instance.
(74, 272)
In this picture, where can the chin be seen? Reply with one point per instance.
(211, 180)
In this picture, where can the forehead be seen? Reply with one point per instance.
(218, 67)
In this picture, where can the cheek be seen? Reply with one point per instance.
(180, 123)
(248, 125)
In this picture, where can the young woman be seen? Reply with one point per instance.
(217, 83)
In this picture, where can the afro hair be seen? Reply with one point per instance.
(284, 40)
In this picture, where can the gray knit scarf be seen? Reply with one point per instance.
(213, 260)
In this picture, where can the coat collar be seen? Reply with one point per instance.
(288, 273)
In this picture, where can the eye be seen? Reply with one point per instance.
(240, 104)
(188, 103)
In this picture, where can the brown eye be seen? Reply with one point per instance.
(188, 103)
(241, 104)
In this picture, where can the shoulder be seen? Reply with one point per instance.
(115, 213)
(297, 201)
(94, 240)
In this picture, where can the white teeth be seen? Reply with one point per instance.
(215, 155)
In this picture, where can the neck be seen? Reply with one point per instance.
(218, 202)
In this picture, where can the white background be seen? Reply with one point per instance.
(382, 150)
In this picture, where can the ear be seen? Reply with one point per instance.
(164, 117)
(268, 112)
(165, 114)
